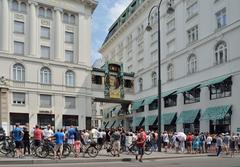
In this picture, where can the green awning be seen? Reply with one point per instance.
(187, 88)
(167, 118)
(187, 116)
(150, 119)
(105, 126)
(109, 124)
(215, 113)
(137, 104)
(150, 99)
(165, 94)
(114, 122)
(137, 121)
(117, 109)
(215, 80)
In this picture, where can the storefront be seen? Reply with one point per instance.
(46, 119)
(20, 118)
(69, 120)
(169, 122)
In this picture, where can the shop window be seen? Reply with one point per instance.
(170, 101)
(153, 105)
(221, 90)
(192, 96)
(140, 109)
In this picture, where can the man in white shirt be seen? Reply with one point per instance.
(48, 132)
(93, 134)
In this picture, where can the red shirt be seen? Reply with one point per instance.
(189, 138)
(141, 139)
(38, 134)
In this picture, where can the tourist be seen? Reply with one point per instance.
(219, 144)
(209, 142)
(26, 140)
(17, 134)
(115, 138)
(165, 140)
(70, 137)
(58, 147)
(189, 143)
(48, 133)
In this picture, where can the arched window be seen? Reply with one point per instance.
(221, 52)
(72, 19)
(70, 78)
(14, 5)
(41, 12)
(140, 84)
(192, 64)
(18, 72)
(154, 79)
(23, 7)
(49, 13)
(170, 71)
(45, 75)
(65, 18)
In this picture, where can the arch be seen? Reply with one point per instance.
(49, 13)
(170, 71)
(18, 72)
(45, 74)
(154, 79)
(41, 12)
(15, 5)
(221, 52)
(23, 7)
(192, 63)
(70, 78)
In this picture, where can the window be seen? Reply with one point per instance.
(170, 71)
(14, 5)
(154, 79)
(41, 12)
(221, 52)
(45, 101)
(171, 46)
(140, 84)
(192, 96)
(70, 78)
(49, 13)
(18, 72)
(171, 26)
(221, 18)
(69, 37)
(68, 18)
(97, 79)
(220, 90)
(45, 52)
(18, 47)
(45, 12)
(192, 34)
(19, 98)
(23, 7)
(72, 19)
(45, 32)
(170, 101)
(65, 18)
(192, 10)
(45, 75)
(19, 27)
(70, 102)
(128, 83)
(192, 64)
(68, 56)
(140, 109)
(153, 105)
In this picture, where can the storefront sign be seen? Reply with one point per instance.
(238, 129)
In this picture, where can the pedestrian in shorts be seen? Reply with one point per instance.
(58, 147)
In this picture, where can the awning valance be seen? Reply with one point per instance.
(215, 80)
(150, 120)
(187, 88)
(167, 118)
(188, 116)
(165, 94)
(215, 113)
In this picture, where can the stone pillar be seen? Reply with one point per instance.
(4, 110)
(58, 50)
(4, 34)
(33, 29)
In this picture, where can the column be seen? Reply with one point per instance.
(58, 34)
(33, 29)
(4, 34)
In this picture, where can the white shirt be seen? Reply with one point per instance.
(47, 133)
(94, 133)
(209, 140)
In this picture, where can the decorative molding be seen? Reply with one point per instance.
(31, 2)
(58, 9)
(69, 28)
(19, 17)
(45, 22)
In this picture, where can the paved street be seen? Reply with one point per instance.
(183, 162)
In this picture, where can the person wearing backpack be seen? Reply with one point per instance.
(17, 134)
(140, 143)
(116, 142)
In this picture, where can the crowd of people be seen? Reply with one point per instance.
(179, 142)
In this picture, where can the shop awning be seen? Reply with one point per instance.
(105, 126)
(167, 118)
(215, 80)
(117, 109)
(215, 113)
(187, 116)
(113, 123)
(150, 120)
(165, 94)
(137, 104)
(150, 99)
(187, 88)
(138, 120)
(110, 124)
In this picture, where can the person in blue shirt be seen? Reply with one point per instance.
(17, 135)
(70, 137)
(59, 138)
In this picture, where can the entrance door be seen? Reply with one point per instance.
(89, 123)
(45, 119)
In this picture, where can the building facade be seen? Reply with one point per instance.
(200, 63)
(45, 62)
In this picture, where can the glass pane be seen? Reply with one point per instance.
(23, 7)
(69, 37)
(45, 32)
(65, 18)
(45, 51)
(69, 56)
(49, 13)
(18, 47)
(45, 100)
(15, 5)
(18, 27)
(41, 12)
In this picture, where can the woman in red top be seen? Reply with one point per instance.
(140, 144)
(189, 142)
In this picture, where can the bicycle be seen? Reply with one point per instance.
(90, 148)
(7, 147)
(45, 149)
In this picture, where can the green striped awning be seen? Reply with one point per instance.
(187, 88)
(137, 121)
(150, 119)
(187, 116)
(165, 94)
(215, 80)
(167, 118)
(215, 113)
(137, 104)
(150, 99)
(105, 126)
(113, 123)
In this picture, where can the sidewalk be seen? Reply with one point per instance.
(102, 157)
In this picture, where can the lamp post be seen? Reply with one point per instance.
(170, 10)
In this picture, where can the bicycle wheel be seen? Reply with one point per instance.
(148, 149)
(42, 151)
(92, 151)
(4, 147)
(133, 149)
(66, 150)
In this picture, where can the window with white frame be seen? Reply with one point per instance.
(171, 26)
(154, 79)
(49, 13)
(18, 72)
(221, 52)
(171, 46)
(18, 98)
(221, 18)
(19, 6)
(18, 47)
(192, 64)
(68, 56)
(69, 37)
(192, 10)
(45, 52)
(45, 12)
(70, 78)
(41, 12)
(70, 102)
(170, 72)
(45, 75)
(69, 18)
(140, 84)
(19, 27)
(192, 34)
(45, 101)
(45, 32)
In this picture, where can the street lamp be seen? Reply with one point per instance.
(170, 10)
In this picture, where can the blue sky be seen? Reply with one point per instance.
(103, 17)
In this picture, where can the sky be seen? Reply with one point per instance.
(103, 17)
